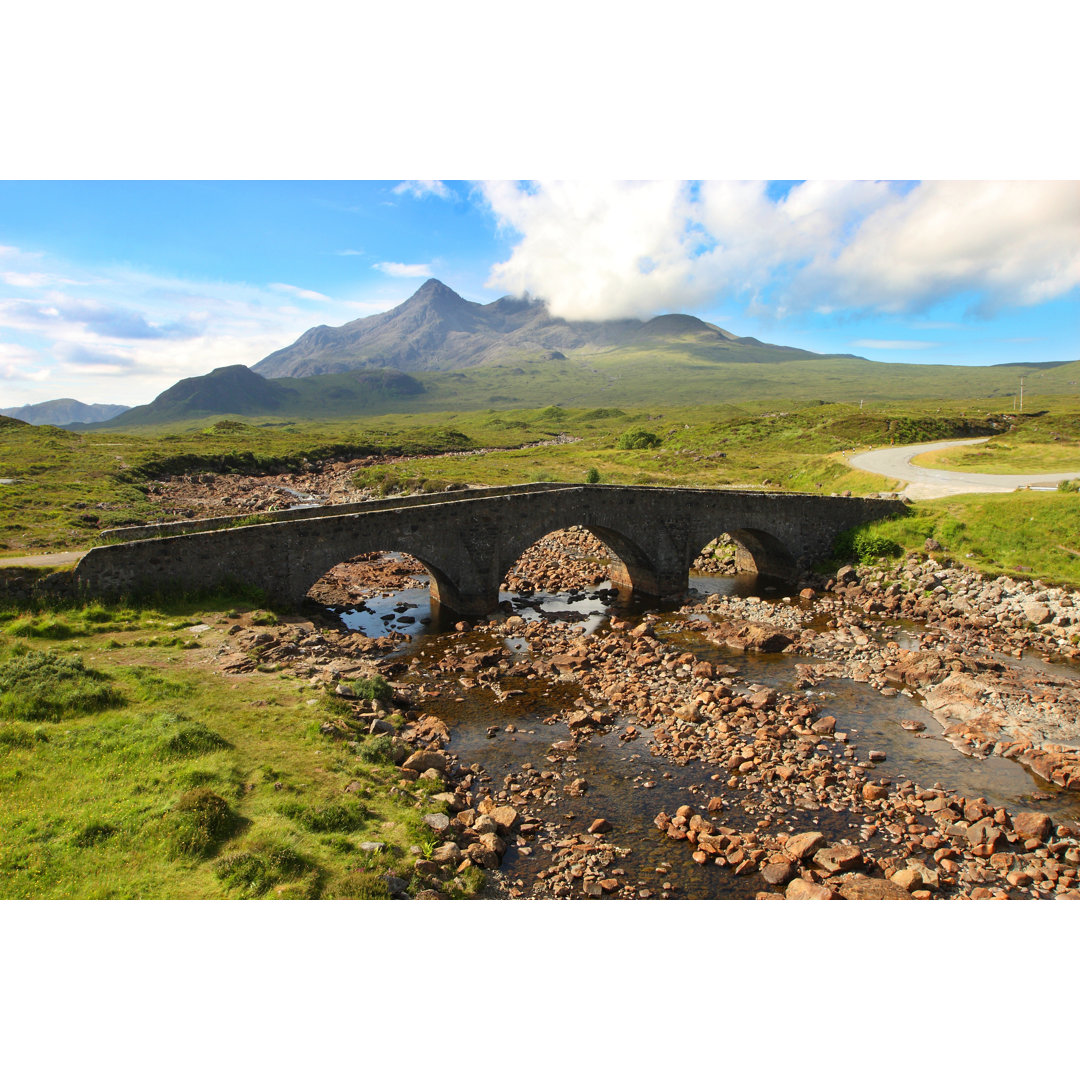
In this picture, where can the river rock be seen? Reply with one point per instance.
(779, 872)
(423, 760)
(437, 822)
(452, 801)
(1032, 826)
(505, 817)
(838, 859)
(807, 890)
(861, 887)
(1037, 613)
(493, 842)
(915, 877)
(600, 825)
(447, 853)
(803, 845)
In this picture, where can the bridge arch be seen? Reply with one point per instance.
(320, 563)
(630, 567)
(758, 550)
(761, 552)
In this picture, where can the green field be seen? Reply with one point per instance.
(125, 771)
(71, 484)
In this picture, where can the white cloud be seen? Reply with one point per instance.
(351, 251)
(605, 250)
(598, 250)
(295, 290)
(32, 280)
(140, 331)
(421, 188)
(413, 270)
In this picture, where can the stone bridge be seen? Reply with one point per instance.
(468, 541)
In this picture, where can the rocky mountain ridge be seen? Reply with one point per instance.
(438, 330)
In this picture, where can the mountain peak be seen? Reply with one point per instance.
(434, 289)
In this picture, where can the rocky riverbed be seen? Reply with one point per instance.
(708, 750)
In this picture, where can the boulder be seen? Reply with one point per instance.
(807, 890)
(803, 845)
(423, 760)
(1032, 826)
(861, 887)
(839, 858)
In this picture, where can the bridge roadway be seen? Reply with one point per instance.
(468, 540)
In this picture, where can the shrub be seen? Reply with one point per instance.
(93, 834)
(188, 738)
(359, 885)
(264, 618)
(858, 545)
(49, 627)
(371, 688)
(332, 818)
(256, 871)
(637, 439)
(14, 737)
(199, 822)
(592, 476)
(42, 686)
(377, 750)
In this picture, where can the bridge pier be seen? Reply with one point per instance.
(471, 604)
(645, 581)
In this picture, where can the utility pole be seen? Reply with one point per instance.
(1021, 393)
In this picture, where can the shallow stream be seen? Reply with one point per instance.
(505, 734)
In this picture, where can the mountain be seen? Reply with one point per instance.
(438, 352)
(61, 411)
(239, 391)
(437, 330)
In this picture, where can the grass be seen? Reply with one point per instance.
(1006, 456)
(138, 772)
(69, 485)
(1033, 534)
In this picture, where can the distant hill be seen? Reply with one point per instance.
(239, 391)
(437, 330)
(440, 353)
(61, 411)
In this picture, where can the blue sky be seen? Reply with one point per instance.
(112, 291)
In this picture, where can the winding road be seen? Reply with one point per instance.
(895, 463)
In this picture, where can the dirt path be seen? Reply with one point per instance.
(56, 558)
(895, 463)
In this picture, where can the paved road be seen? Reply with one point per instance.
(58, 558)
(895, 463)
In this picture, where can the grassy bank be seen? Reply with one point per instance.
(129, 767)
(1032, 534)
